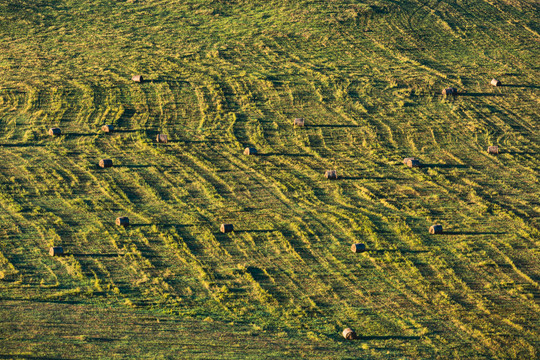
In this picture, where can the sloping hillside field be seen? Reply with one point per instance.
(220, 76)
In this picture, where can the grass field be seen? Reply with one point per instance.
(221, 76)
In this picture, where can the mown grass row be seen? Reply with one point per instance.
(369, 99)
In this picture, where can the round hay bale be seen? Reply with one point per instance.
(357, 248)
(414, 163)
(122, 221)
(250, 151)
(493, 150)
(55, 131)
(162, 138)
(138, 78)
(407, 160)
(225, 228)
(349, 334)
(107, 128)
(56, 251)
(105, 163)
(449, 91)
(330, 174)
(495, 82)
(299, 122)
(435, 229)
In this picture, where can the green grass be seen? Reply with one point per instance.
(222, 76)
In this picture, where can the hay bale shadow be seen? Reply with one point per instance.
(211, 142)
(518, 152)
(177, 226)
(389, 337)
(21, 145)
(285, 154)
(446, 166)
(128, 131)
(337, 126)
(480, 94)
(520, 86)
(109, 255)
(133, 166)
(473, 233)
(73, 135)
(406, 251)
(382, 178)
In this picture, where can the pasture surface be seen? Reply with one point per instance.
(224, 75)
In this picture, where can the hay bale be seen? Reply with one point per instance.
(349, 334)
(162, 138)
(107, 128)
(406, 160)
(495, 82)
(105, 163)
(55, 131)
(357, 248)
(299, 122)
(493, 150)
(137, 78)
(331, 174)
(250, 151)
(449, 91)
(225, 228)
(414, 163)
(435, 229)
(56, 251)
(122, 221)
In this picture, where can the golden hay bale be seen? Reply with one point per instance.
(299, 122)
(250, 151)
(435, 229)
(356, 248)
(107, 128)
(449, 91)
(162, 138)
(138, 78)
(330, 174)
(56, 251)
(495, 82)
(225, 228)
(122, 221)
(349, 334)
(407, 159)
(105, 163)
(493, 150)
(55, 131)
(414, 163)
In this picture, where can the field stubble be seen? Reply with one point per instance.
(367, 80)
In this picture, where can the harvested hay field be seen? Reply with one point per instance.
(221, 76)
